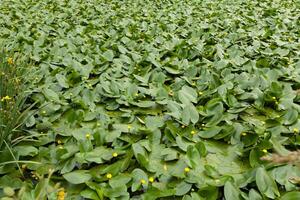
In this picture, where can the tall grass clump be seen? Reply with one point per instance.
(12, 103)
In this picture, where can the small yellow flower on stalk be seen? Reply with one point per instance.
(108, 176)
(7, 98)
(200, 93)
(143, 181)
(10, 61)
(193, 83)
(244, 134)
(182, 126)
(151, 179)
(193, 132)
(115, 154)
(187, 169)
(295, 130)
(88, 136)
(43, 112)
(136, 94)
(59, 142)
(129, 126)
(274, 98)
(61, 194)
(171, 93)
(264, 151)
(61, 147)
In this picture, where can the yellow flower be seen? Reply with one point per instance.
(187, 169)
(200, 93)
(193, 132)
(244, 134)
(151, 179)
(60, 147)
(274, 98)
(6, 98)
(129, 126)
(136, 94)
(43, 112)
(108, 176)
(10, 61)
(193, 83)
(182, 126)
(59, 142)
(143, 181)
(296, 130)
(115, 154)
(265, 150)
(61, 194)
(88, 136)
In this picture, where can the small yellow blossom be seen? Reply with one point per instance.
(193, 132)
(182, 126)
(10, 61)
(60, 147)
(187, 169)
(115, 154)
(129, 126)
(88, 136)
(143, 181)
(295, 130)
(24, 166)
(217, 181)
(136, 94)
(265, 150)
(108, 176)
(200, 93)
(263, 123)
(7, 98)
(59, 141)
(61, 194)
(43, 112)
(274, 98)
(193, 83)
(244, 134)
(151, 179)
(98, 124)
(90, 85)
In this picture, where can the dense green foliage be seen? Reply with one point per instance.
(142, 99)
